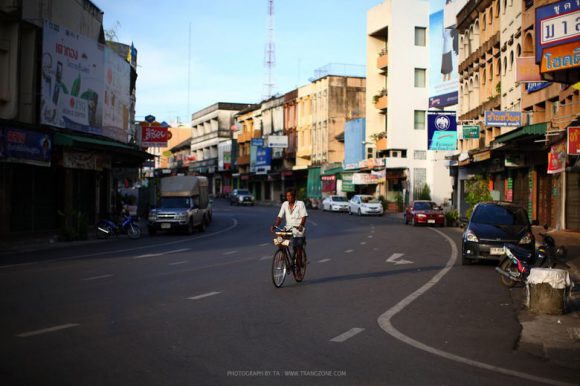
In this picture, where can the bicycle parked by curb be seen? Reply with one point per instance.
(285, 259)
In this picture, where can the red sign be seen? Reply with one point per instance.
(557, 158)
(154, 136)
(574, 140)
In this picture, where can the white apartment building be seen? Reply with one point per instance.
(397, 99)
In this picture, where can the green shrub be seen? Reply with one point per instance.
(451, 217)
(423, 192)
(400, 202)
(477, 191)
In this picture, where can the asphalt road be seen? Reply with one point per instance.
(382, 303)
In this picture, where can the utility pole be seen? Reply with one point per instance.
(269, 54)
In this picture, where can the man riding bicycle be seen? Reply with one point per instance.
(295, 215)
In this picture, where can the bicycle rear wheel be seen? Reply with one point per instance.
(300, 266)
(279, 268)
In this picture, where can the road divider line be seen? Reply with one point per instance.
(178, 262)
(98, 277)
(363, 243)
(202, 296)
(47, 330)
(349, 251)
(370, 236)
(386, 325)
(347, 335)
(265, 258)
(264, 244)
(324, 260)
(230, 252)
(161, 253)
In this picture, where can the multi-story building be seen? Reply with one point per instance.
(210, 126)
(65, 144)
(248, 127)
(397, 100)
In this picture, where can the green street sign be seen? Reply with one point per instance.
(470, 132)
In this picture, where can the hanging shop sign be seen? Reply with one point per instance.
(536, 86)
(347, 184)
(24, 146)
(257, 142)
(573, 140)
(503, 118)
(153, 135)
(280, 141)
(556, 24)
(483, 156)
(562, 57)
(470, 132)
(442, 131)
(263, 160)
(85, 161)
(557, 158)
(365, 179)
(329, 183)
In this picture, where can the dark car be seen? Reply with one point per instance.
(424, 212)
(241, 197)
(492, 225)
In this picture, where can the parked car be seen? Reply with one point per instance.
(241, 197)
(365, 204)
(335, 204)
(424, 212)
(492, 225)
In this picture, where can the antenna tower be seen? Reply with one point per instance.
(269, 54)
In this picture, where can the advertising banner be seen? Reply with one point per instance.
(443, 50)
(154, 136)
(117, 96)
(470, 132)
(557, 158)
(527, 70)
(574, 140)
(442, 131)
(25, 146)
(556, 24)
(263, 157)
(536, 86)
(72, 85)
(503, 118)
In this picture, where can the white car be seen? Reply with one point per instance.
(335, 204)
(365, 204)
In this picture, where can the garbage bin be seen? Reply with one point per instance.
(548, 290)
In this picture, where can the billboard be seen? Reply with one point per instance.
(443, 51)
(442, 128)
(72, 86)
(117, 96)
(26, 146)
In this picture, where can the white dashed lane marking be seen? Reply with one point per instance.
(265, 258)
(98, 277)
(161, 253)
(204, 295)
(264, 244)
(47, 330)
(370, 236)
(363, 243)
(178, 262)
(347, 335)
(349, 251)
(230, 252)
(324, 261)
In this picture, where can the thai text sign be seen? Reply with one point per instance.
(556, 23)
(574, 140)
(25, 146)
(154, 136)
(280, 141)
(257, 142)
(470, 132)
(563, 57)
(442, 131)
(503, 118)
(557, 158)
(527, 70)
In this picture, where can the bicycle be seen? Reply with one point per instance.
(285, 260)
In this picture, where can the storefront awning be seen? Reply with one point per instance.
(333, 171)
(529, 130)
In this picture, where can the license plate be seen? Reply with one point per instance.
(496, 251)
(431, 221)
(165, 226)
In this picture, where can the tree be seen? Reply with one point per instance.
(477, 191)
(423, 192)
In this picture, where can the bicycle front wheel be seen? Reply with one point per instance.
(134, 231)
(279, 268)
(300, 266)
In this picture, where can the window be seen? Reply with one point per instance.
(420, 74)
(419, 119)
(420, 154)
(403, 153)
(420, 36)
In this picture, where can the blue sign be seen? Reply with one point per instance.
(503, 118)
(257, 142)
(449, 99)
(150, 118)
(442, 130)
(263, 156)
(536, 86)
(547, 34)
(26, 147)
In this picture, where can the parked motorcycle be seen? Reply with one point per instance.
(516, 265)
(107, 228)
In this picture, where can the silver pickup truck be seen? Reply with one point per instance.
(183, 205)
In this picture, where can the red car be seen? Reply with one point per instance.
(424, 212)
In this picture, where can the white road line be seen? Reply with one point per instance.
(178, 262)
(370, 236)
(161, 253)
(265, 258)
(349, 251)
(384, 322)
(347, 335)
(46, 330)
(394, 258)
(204, 295)
(264, 244)
(324, 260)
(230, 252)
(363, 243)
(98, 277)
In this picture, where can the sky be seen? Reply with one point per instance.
(227, 47)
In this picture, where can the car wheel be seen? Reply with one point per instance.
(202, 227)
(349, 212)
(359, 212)
(190, 227)
(152, 231)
